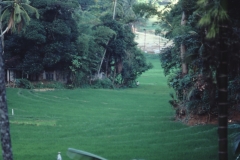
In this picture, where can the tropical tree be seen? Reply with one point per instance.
(5, 128)
(16, 14)
(116, 6)
(217, 29)
(183, 46)
(81, 43)
(51, 40)
(86, 4)
(125, 11)
(212, 55)
(105, 50)
(145, 10)
(102, 36)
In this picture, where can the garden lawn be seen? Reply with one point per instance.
(123, 124)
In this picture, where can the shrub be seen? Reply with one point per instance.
(38, 85)
(104, 83)
(51, 84)
(55, 84)
(24, 83)
(80, 80)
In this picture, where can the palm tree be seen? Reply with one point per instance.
(222, 81)
(5, 129)
(5, 133)
(217, 11)
(15, 12)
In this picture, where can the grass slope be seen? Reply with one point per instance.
(120, 124)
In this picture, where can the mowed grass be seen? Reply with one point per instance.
(123, 124)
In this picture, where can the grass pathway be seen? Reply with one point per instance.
(123, 124)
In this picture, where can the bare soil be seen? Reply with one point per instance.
(43, 89)
(191, 120)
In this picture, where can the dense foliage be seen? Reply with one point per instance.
(81, 39)
(196, 91)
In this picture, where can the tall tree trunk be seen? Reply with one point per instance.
(117, 69)
(104, 53)
(222, 81)
(5, 129)
(183, 47)
(107, 64)
(223, 102)
(119, 66)
(114, 9)
(184, 64)
(4, 121)
(114, 74)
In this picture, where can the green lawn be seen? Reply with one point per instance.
(122, 124)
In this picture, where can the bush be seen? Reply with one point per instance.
(79, 79)
(69, 86)
(24, 83)
(38, 85)
(51, 84)
(104, 83)
(55, 84)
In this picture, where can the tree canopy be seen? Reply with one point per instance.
(196, 91)
(72, 36)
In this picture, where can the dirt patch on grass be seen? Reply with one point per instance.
(44, 89)
(191, 120)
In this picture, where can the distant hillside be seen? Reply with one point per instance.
(151, 43)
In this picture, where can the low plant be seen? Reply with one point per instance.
(24, 83)
(55, 84)
(102, 83)
(50, 84)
